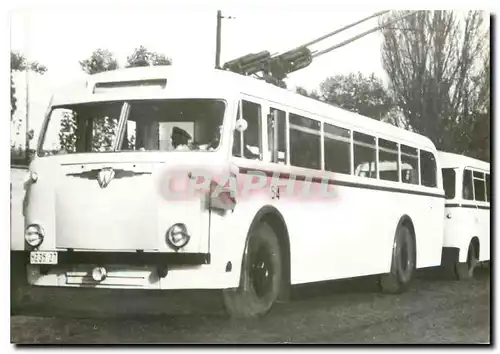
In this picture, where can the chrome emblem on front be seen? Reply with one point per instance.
(105, 176)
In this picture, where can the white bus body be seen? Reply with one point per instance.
(120, 229)
(467, 209)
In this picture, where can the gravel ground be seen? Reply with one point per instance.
(433, 311)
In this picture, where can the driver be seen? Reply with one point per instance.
(180, 139)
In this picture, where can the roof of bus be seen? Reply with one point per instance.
(450, 160)
(206, 82)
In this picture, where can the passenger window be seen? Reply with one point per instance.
(467, 193)
(428, 165)
(388, 168)
(250, 141)
(305, 142)
(488, 187)
(409, 165)
(276, 131)
(337, 149)
(365, 157)
(479, 188)
(449, 178)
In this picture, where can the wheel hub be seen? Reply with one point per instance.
(261, 272)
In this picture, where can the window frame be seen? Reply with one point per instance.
(366, 145)
(311, 131)
(429, 153)
(339, 138)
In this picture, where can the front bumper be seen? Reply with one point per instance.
(137, 270)
(126, 258)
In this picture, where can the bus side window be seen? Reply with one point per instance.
(467, 186)
(365, 155)
(487, 187)
(337, 149)
(479, 186)
(449, 178)
(409, 165)
(279, 134)
(428, 169)
(305, 142)
(251, 139)
(388, 160)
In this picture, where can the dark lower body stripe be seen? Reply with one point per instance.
(452, 205)
(245, 170)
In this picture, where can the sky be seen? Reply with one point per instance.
(60, 36)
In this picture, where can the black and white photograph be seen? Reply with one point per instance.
(249, 173)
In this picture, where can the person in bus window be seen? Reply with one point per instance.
(180, 139)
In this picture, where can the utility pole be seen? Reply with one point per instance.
(27, 70)
(218, 38)
(27, 141)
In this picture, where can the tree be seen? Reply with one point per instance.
(18, 62)
(99, 61)
(479, 142)
(143, 57)
(357, 93)
(432, 59)
(311, 94)
(104, 128)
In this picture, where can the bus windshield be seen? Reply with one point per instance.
(145, 125)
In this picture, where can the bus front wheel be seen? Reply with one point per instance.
(261, 275)
(403, 263)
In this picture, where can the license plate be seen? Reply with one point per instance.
(39, 257)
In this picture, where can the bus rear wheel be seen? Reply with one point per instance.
(261, 276)
(465, 271)
(403, 263)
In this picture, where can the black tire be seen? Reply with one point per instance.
(261, 276)
(403, 263)
(465, 271)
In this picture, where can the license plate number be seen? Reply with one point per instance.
(43, 257)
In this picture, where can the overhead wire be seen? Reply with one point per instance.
(361, 35)
(338, 31)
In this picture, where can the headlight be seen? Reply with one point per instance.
(99, 273)
(34, 235)
(177, 236)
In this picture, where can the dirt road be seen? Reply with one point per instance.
(351, 311)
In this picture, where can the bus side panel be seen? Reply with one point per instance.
(459, 229)
(484, 233)
(429, 227)
(344, 236)
(348, 234)
(353, 233)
